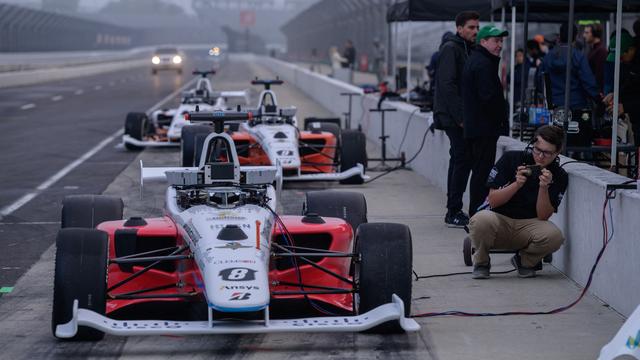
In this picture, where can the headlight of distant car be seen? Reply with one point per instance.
(155, 60)
(214, 51)
(177, 59)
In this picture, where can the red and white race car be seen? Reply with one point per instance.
(221, 247)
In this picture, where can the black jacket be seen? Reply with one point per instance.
(447, 107)
(485, 109)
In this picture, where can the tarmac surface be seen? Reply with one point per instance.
(401, 196)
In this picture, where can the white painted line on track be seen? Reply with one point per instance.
(28, 106)
(97, 87)
(111, 83)
(7, 210)
(79, 92)
(57, 98)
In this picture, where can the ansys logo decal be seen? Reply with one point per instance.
(633, 343)
(233, 246)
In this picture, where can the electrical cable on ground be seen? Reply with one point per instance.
(606, 240)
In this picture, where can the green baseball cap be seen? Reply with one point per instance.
(626, 41)
(488, 31)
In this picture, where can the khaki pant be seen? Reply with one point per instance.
(534, 238)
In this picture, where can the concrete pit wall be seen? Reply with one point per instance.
(580, 215)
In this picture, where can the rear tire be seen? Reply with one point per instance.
(188, 144)
(347, 205)
(87, 211)
(384, 269)
(353, 151)
(136, 125)
(80, 274)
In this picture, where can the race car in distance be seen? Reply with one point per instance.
(164, 127)
(222, 248)
(166, 58)
(271, 137)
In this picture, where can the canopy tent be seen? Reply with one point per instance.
(591, 7)
(434, 10)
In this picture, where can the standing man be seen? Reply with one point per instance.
(447, 113)
(349, 54)
(598, 53)
(378, 60)
(485, 110)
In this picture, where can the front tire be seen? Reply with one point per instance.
(80, 274)
(384, 269)
(353, 151)
(188, 143)
(136, 125)
(87, 211)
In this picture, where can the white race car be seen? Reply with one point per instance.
(163, 128)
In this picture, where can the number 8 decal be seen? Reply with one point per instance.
(237, 274)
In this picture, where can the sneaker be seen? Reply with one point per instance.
(481, 271)
(523, 272)
(457, 220)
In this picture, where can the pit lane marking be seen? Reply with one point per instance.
(28, 106)
(7, 210)
(97, 87)
(79, 92)
(57, 98)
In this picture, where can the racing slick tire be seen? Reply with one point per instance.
(353, 151)
(188, 143)
(80, 274)
(347, 205)
(87, 211)
(136, 125)
(384, 268)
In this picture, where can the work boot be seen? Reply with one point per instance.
(523, 272)
(481, 271)
(457, 220)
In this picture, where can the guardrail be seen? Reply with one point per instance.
(615, 281)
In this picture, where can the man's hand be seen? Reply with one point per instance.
(546, 178)
(520, 176)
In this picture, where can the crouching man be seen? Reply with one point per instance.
(526, 188)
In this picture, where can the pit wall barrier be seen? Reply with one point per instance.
(616, 279)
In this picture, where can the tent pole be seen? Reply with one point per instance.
(523, 74)
(567, 79)
(512, 66)
(409, 59)
(616, 91)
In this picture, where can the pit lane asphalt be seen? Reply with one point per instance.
(45, 127)
(401, 197)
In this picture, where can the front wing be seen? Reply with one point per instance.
(354, 171)
(387, 312)
(149, 143)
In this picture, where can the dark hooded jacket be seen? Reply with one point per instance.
(447, 108)
(583, 83)
(485, 109)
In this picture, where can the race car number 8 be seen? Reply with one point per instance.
(237, 274)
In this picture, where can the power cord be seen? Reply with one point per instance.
(606, 240)
(406, 130)
(424, 138)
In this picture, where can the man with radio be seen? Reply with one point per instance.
(526, 188)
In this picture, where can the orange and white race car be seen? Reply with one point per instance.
(272, 137)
